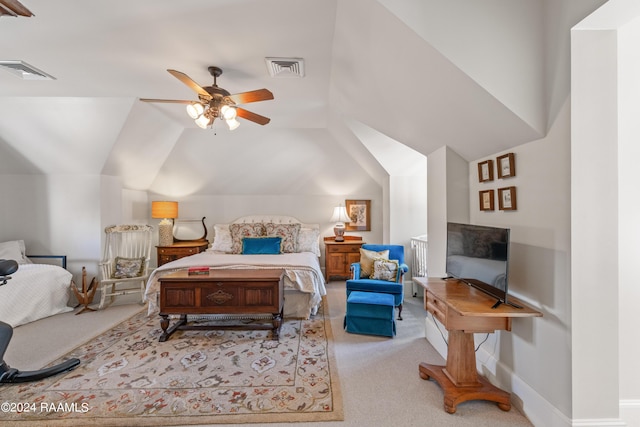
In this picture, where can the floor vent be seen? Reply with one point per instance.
(24, 71)
(285, 67)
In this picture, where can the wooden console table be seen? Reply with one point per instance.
(464, 310)
(230, 292)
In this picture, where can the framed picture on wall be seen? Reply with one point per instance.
(486, 200)
(507, 199)
(360, 213)
(506, 165)
(485, 171)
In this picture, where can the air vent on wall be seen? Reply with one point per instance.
(285, 67)
(24, 70)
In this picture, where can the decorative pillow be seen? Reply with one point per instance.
(14, 250)
(222, 241)
(261, 245)
(241, 230)
(288, 232)
(308, 240)
(385, 269)
(128, 268)
(366, 261)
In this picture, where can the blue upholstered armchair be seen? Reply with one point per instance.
(393, 286)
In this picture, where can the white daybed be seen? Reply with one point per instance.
(35, 291)
(303, 278)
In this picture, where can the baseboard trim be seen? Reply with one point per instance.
(630, 411)
(536, 408)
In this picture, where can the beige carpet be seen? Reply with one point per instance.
(378, 376)
(127, 377)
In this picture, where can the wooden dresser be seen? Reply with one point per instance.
(180, 250)
(338, 256)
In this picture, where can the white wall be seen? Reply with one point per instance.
(448, 189)
(539, 273)
(629, 226)
(54, 215)
(605, 232)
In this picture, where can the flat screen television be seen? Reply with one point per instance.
(479, 256)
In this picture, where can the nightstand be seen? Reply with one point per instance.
(180, 250)
(338, 256)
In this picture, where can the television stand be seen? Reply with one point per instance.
(497, 304)
(465, 310)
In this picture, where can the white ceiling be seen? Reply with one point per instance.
(476, 77)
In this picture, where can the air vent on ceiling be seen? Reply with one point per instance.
(25, 71)
(285, 67)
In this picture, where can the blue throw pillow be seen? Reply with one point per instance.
(261, 245)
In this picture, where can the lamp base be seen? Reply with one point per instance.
(339, 234)
(165, 233)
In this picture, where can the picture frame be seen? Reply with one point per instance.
(360, 213)
(507, 200)
(506, 165)
(486, 198)
(485, 171)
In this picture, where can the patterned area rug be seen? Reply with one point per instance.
(126, 377)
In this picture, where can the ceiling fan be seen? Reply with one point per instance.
(216, 102)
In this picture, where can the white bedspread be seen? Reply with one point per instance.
(34, 291)
(301, 270)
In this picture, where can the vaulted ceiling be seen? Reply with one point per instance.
(479, 77)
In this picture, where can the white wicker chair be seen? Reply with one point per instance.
(125, 263)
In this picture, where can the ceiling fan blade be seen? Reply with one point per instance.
(173, 101)
(248, 115)
(252, 96)
(193, 85)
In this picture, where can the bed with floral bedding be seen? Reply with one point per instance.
(261, 242)
(35, 291)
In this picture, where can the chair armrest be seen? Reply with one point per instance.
(106, 268)
(355, 270)
(403, 268)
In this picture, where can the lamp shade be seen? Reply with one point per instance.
(340, 215)
(164, 209)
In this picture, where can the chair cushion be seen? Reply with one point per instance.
(127, 268)
(385, 269)
(367, 258)
(395, 251)
(370, 285)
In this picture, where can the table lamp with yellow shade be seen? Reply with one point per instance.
(166, 211)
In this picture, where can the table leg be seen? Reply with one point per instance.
(459, 379)
(277, 324)
(164, 324)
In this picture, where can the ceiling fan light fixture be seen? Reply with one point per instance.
(203, 121)
(229, 113)
(195, 110)
(233, 124)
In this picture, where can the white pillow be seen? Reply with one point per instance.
(222, 241)
(308, 240)
(14, 250)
